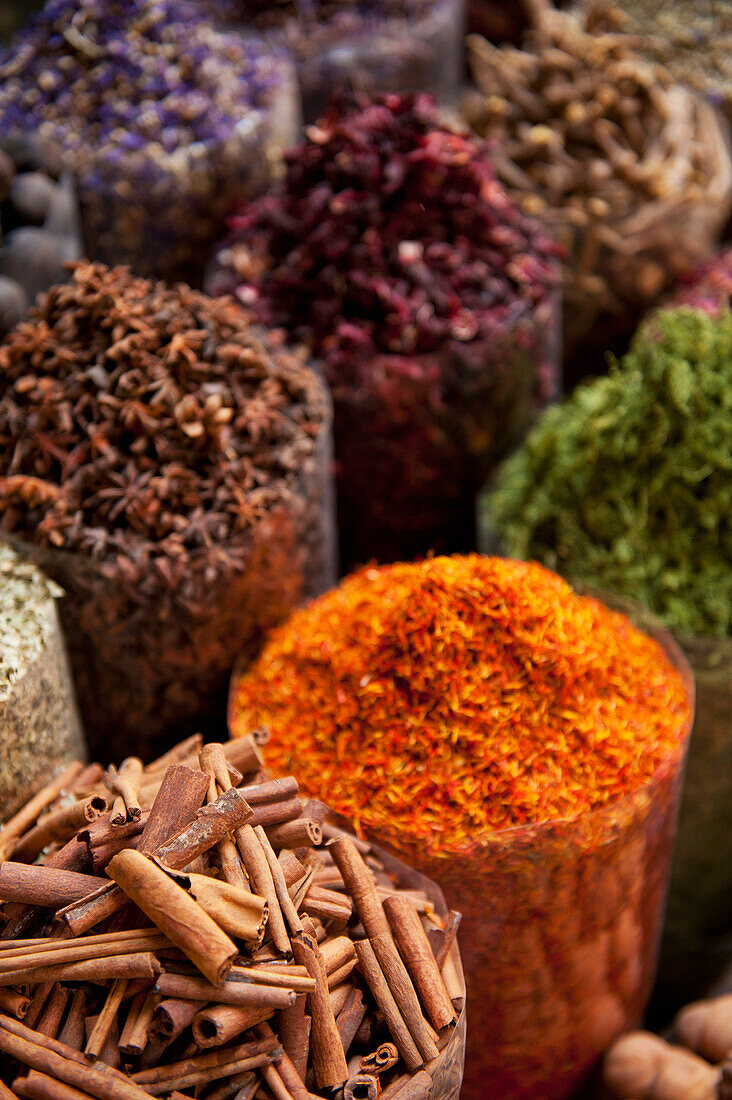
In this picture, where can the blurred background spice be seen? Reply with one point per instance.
(39, 224)
(392, 251)
(165, 120)
(169, 466)
(709, 287)
(630, 171)
(366, 45)
(39, 724)
(691, 38)
(626, 486)
(517, 742)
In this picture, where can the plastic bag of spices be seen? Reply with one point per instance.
(630, 171)
(39, 724)
(372, 45)
(165, 120)
(487, 724)
(178, 488)
(431, 302)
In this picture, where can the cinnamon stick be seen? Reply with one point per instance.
(72, 1033)
(260, 876)
(181, 793)
(176, 914)
(66, 951)
(237, 911)
(173, 1016)
(216, 1024)
(229, 993)
(363, 890)
(125, 783)
(243, 1086)
(211, 823)
(14, 1003)
(39, 1086)
(289, 912)
(294, 1033)
(337, 952)
(48, 887)
(442, 941)
(252, 854)
(301, 832)
(108, 1016)
(273, 790)
(328, 1057)
(102, 1084)
(26, 816)
(136, 1031)
(286, 977)
(204, 1068)
(141, 964)
(351, 1017)
(58, 826)
(416, 952)
(377, 983)
(362, 1086)
(276, 813)
(231, 867)
(53, 1012)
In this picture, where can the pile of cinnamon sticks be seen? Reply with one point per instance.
(193, 929)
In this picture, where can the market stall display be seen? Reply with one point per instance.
(372, 1004)
(391, 250)
(626, 487)
(39, 726)
(169, 466)
(369, 45)
(628, 169)
(486, 723)
(165, 120)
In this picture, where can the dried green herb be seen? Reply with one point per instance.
(627, 484)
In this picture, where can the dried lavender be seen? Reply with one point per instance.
(39, 725)
(393, 252)
(169, 466)
(164, 118)
(369, 45)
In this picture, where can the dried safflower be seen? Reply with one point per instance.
(630, 171)
(392, 251)
(164, 118)
(523, 745)
(168, 465)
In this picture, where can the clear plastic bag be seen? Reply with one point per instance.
(39, 724)
(378, 47)
(416, 436)
(163, 216)
(560, 932)
(149, 668)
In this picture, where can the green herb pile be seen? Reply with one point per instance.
(627, 485)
